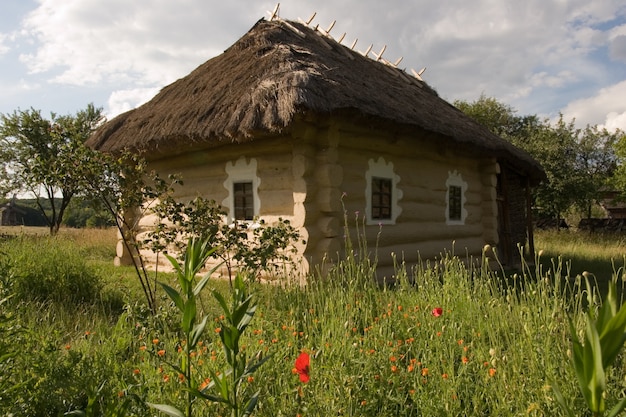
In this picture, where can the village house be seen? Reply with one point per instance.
(290, 123)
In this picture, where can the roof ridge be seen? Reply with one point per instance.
(275, 16)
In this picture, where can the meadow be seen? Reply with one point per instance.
(446, 339)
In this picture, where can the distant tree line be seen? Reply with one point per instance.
(80, 213)
(77, 186)
(581, 164)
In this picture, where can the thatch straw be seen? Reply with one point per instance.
(279, 70)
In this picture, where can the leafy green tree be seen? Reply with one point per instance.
(577, 162)
(597, 160)
(43, 156)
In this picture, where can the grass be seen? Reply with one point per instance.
(602, 255)
(495, 349)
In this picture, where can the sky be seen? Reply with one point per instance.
(540, 57)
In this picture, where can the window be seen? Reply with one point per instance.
(381, 193)
(242, 185)
(454, 202)
(244, 200)
(455, 199)
(381, 198)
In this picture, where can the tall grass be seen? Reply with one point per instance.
(497, 347)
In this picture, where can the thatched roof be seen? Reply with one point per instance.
(278, 71)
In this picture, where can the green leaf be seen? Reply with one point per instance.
(201, 394)
(174, 295)
(617, 409)
(251, 405)
(189, 314)
(175, 264)
(222, 301)
(561, 401)
(200, 286)
(594, 369)
(197, 331)
(167, 409)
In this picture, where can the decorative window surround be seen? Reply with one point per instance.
(455, 199)
(240, 172)
(381, 170)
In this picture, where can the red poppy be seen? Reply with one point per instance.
(302, 367)
(437, 311)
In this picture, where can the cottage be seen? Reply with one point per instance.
(290, 123)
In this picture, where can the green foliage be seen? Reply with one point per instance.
(122, 186)
(604, 335)
(49, 269)
(577, 162)
(229, 386)
(253, 247)
(374, 351)
(44, 157)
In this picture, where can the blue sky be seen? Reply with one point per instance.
(541, 57)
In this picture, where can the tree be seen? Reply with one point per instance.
(577, 162)
(43, 157)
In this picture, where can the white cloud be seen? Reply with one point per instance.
(607, 108)
(124, 100)
(120, 41)
(617, 48)
(535, 53)
(615, 121)
(4, 48)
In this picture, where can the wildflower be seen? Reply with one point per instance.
(155, 341)
(363, 403)
(424, 371)
(161, 352)
(437, 311)
(465, 359)
(136, 371)
(250, 379)
(302, 367)
(394, 369)
(68, 347)
(166, 378)
(181, 378)
(410, 368)
(444, 376)
(204, 384)
(142, 348)
(218, 329)
(492, 372)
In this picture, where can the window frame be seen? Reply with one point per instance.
(455, 202)
(381, 199)
(238, 172)
(243, 211)
(381, 169)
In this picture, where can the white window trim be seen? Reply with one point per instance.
(382, 169)
(455, 179)
(241, 171)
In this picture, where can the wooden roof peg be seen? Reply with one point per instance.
(341, 37)
(368, 50)
(395, 64)
(332, 25)
(308, 22)
(354, 43)
(380, 54)
(274, 14)
(418, 75)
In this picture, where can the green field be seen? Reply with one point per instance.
(80, 335)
